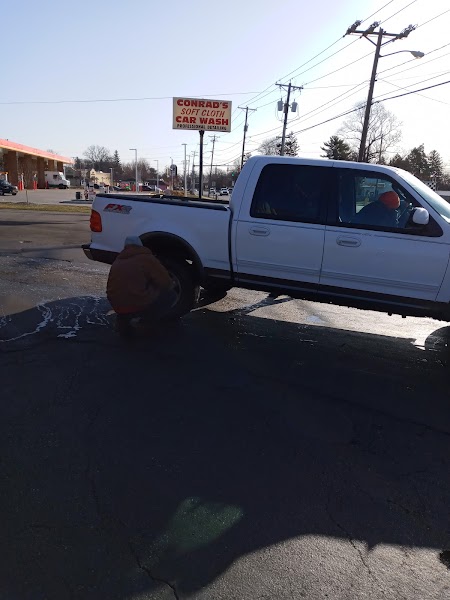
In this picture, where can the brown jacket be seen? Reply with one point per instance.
(135, 280)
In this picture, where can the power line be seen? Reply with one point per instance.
(433, 18)
(327, 87)
(378, 11)
(413, 92)
(257, 97)
(348, 93)
(399, 87)
(340, 69)
(320, 62)
(376, 102)
(83, 101)
(330, 46)
(399, 11)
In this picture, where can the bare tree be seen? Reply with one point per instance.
(99, 156)
(270, 146)
(383, 132)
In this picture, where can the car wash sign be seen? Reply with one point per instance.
(207, 115)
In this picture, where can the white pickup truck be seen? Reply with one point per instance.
(314, 229)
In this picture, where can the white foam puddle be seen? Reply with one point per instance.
(67, 318)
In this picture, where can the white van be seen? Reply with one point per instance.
(56, 179)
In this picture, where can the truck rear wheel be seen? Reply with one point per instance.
(186, 289)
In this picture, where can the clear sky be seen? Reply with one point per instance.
(150, 51)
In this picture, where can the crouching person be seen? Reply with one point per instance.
(138, 287)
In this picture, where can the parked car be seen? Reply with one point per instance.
(224, 192)
(7, 188)
(362, 235)
(212, 191)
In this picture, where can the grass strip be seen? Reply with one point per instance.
(59, 208)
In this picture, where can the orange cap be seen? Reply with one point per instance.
(390, 199)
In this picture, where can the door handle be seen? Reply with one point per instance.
(349, 242)
(263, 231)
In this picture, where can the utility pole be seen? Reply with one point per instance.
(245, 131)
(212, 158)
(185, 171)
(285, 107)
(136, 167)
(157, 174)
(193, 171)
(189, 165)
(380, 34)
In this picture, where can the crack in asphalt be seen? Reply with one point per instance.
(115, 522)
(351, 540)
(149, 573)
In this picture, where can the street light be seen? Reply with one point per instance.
(135, 155)
(157, 173)
(415, 53)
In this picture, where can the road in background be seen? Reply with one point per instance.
(262, 448)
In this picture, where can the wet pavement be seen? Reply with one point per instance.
(261, 448)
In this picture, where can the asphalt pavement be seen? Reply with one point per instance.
(50, 196)
(261, 448)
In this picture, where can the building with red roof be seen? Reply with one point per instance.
(28, 165)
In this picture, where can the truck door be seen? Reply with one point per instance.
(279, 232)
(372, 248)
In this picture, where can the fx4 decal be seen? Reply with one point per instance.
(123, 209)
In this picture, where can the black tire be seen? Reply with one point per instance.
(187, 289)
(13, 193)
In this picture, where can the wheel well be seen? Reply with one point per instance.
(174, 247)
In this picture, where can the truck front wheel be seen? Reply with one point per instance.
(186, 289)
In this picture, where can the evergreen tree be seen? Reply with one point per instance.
(418, 163)
(290, 145)
(400, 162)
(337, 149)
(117, 165)
(435, 165)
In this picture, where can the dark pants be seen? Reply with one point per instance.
(155, 312)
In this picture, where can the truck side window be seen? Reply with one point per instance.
(370, 200)
(290, 193)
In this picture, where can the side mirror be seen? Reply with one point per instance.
(420, 216)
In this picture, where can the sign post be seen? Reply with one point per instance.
(200, 176)
(203, 115)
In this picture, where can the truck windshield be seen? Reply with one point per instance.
(434, 200)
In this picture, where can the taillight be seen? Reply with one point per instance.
(96, 221)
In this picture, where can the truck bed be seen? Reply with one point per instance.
(150, 217)
(171, 200)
